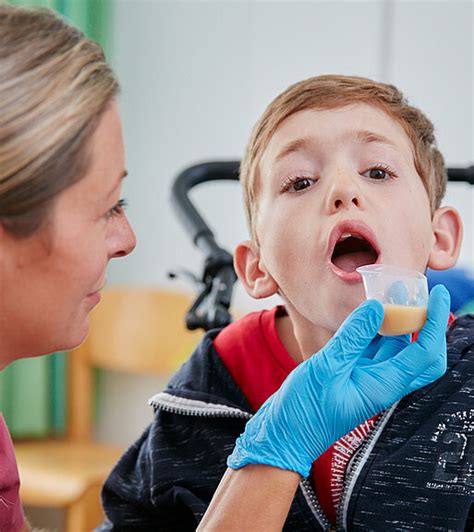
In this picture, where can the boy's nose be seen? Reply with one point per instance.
(343, 194)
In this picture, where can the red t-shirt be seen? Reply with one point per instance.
(254, 355)
(11, 514)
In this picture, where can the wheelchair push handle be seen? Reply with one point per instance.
(193, 222)
(211, 308)
(461, 174)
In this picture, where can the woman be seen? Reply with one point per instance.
(61, 216)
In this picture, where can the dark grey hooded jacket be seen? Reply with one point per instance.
(415, 471)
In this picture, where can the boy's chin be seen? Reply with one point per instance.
(345, 307)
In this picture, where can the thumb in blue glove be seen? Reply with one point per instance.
(341, 386)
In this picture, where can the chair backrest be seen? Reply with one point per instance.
(133, 330)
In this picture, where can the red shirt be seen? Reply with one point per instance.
(11, 514)
(254, 355)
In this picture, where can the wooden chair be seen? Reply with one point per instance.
(134, 330)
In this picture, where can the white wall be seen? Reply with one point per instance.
(432, 59)
(195, 77)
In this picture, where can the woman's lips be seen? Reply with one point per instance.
(94, 297)
(98, 291)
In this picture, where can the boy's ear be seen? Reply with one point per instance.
(447, 233)
(252, 272)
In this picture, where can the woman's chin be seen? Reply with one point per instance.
(75, 337)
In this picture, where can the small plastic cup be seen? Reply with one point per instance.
(403, 294)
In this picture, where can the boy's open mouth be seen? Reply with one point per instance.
(352, 244)
(351, 252)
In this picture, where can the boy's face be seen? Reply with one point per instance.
(338, 189)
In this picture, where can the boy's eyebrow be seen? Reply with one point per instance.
(301, 144)
(306, 143)
(369, 136)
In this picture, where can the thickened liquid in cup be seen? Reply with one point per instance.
(402, 319)
(403, 294)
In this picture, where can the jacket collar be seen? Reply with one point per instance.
(204, 378)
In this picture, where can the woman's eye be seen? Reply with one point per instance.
(379, 173)
(118, 209)
(297, 184)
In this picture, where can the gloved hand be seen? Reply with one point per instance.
(356, 375)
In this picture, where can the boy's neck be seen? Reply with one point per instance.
(287, 337)
(300, 348)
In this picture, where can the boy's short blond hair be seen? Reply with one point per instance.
(330, 92)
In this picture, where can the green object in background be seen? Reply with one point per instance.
(33, 396)
(33, 391)
(58, 396)
(468, 308)
(91, 16)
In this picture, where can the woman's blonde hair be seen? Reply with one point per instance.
(333, 91)
(54, 85)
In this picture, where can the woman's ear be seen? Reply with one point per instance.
(447, 233)
(252, 272)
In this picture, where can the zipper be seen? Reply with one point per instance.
(193, 407)
(358, 462)
(313, 503)
(353, 470)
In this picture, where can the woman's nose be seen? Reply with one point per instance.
(124, 240)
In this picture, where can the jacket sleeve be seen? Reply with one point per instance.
(165, 481)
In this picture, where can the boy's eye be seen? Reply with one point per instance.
(297, 184)
(379, 173)
(118, 209)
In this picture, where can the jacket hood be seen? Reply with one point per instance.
(204, 377)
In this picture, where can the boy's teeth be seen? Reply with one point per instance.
(345, 236)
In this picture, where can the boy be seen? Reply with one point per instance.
(339, 172)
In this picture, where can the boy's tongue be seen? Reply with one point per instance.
(348, 262)
(352, 252)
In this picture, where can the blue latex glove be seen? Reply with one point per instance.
(355, 376)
